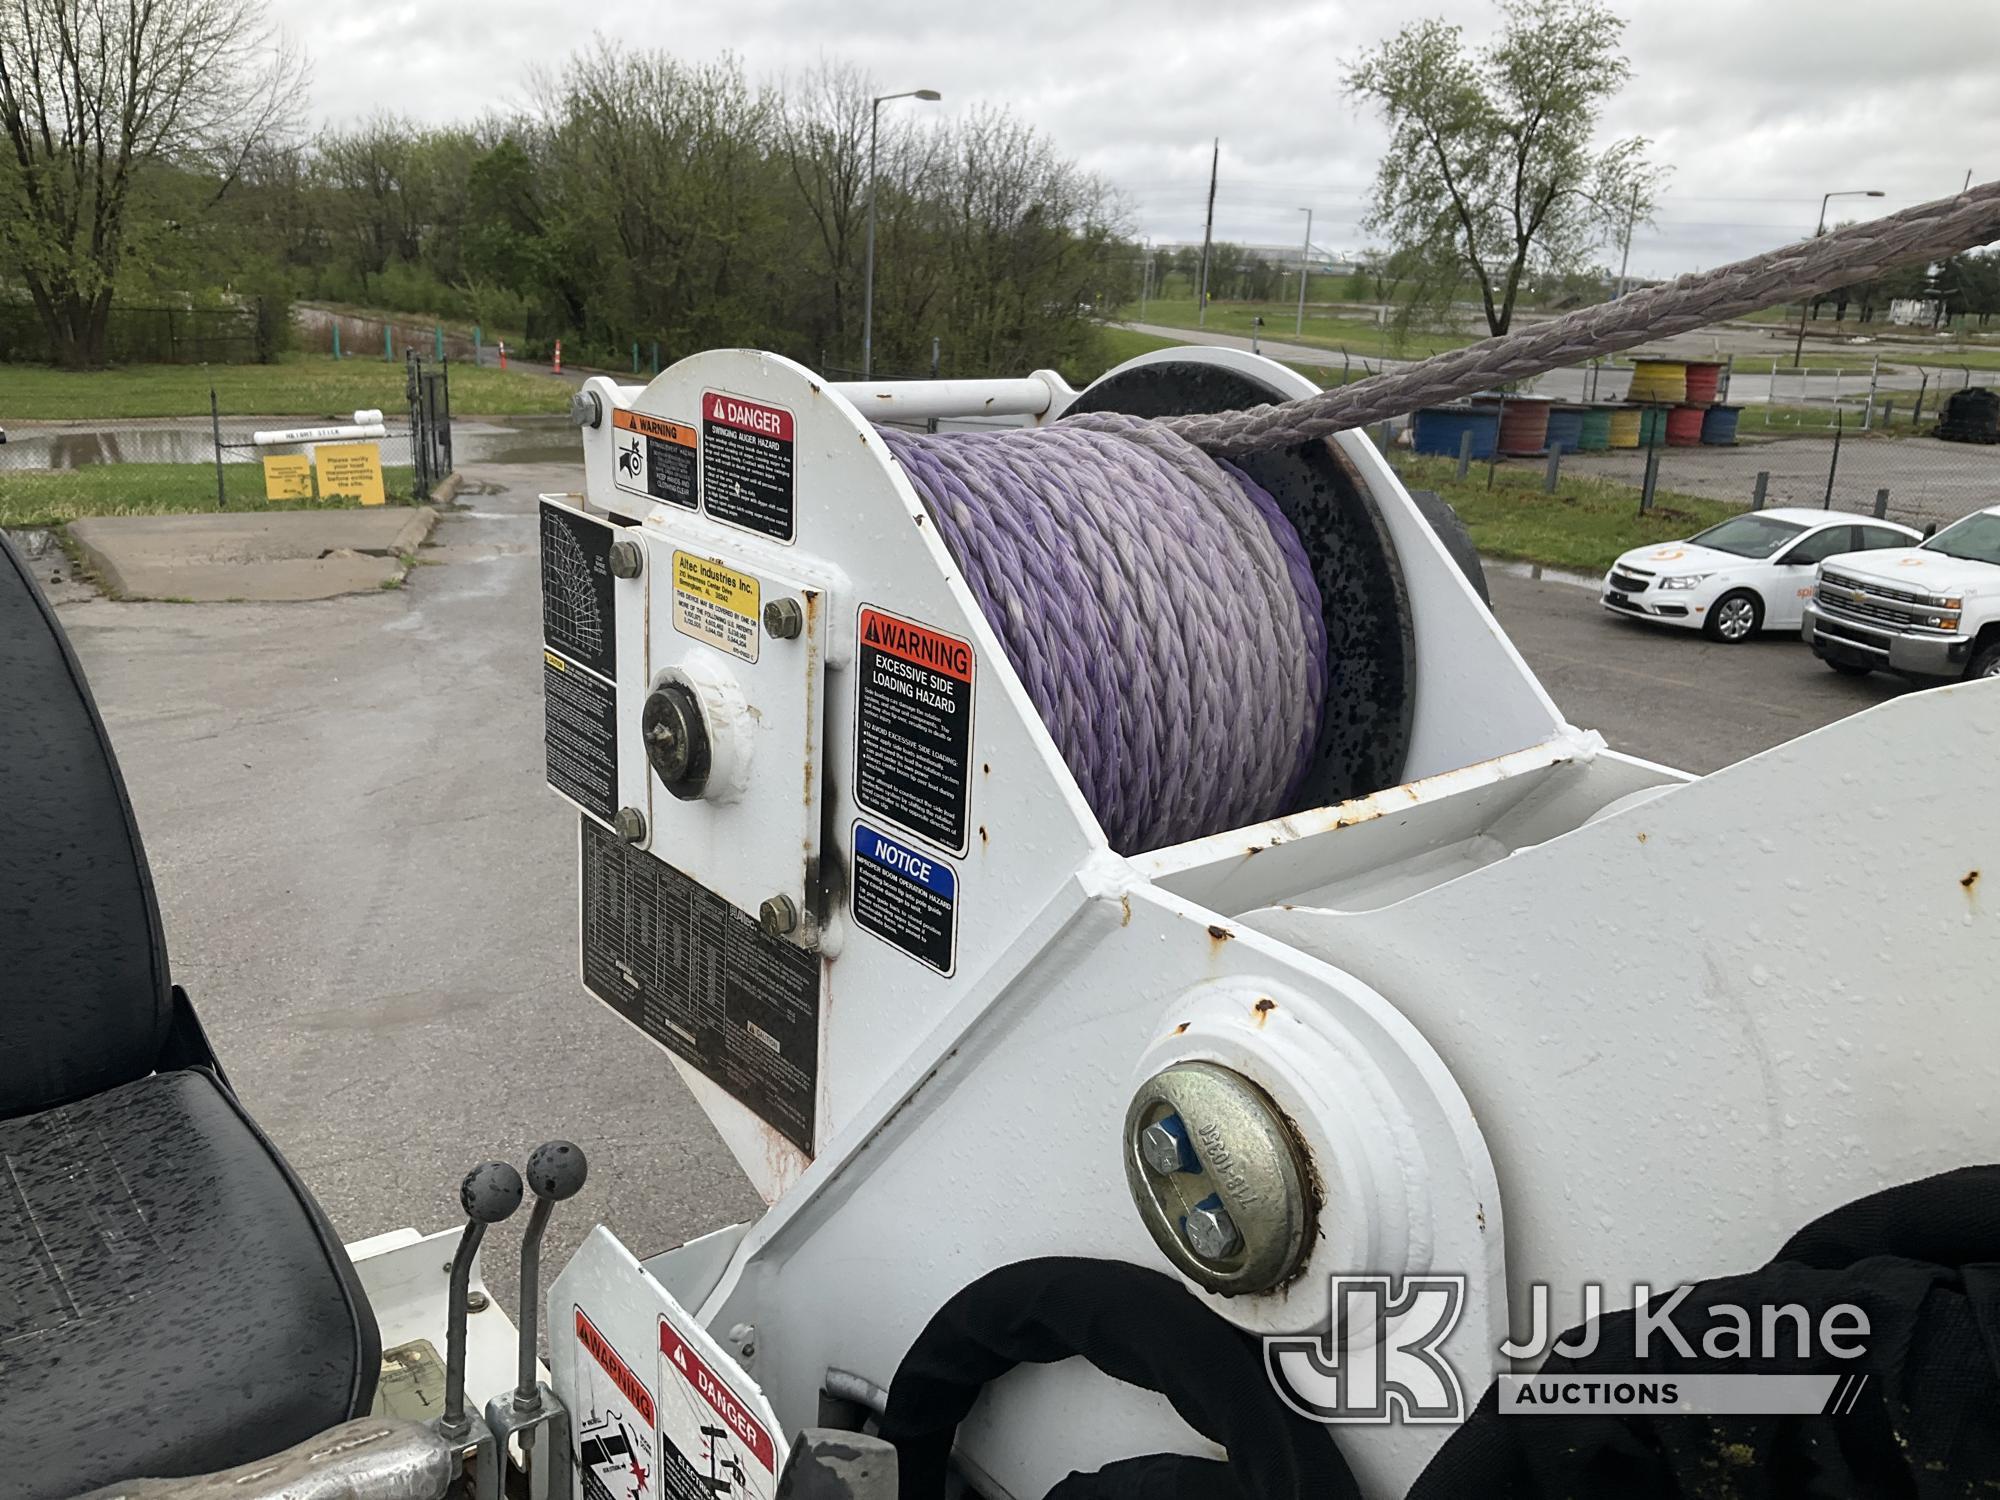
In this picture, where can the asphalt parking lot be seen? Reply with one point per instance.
(371, 897)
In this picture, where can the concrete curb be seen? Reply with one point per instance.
(447, 491)
(266, 556)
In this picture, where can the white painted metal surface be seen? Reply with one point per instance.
(406, 1276)
(1507, 1054)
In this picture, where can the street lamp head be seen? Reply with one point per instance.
(933, 96)
(1875, 193)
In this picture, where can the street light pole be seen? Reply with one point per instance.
(868, 276)
(1799, 344)
(1305, 255)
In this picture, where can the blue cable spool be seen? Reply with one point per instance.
(1718, 426)
(1566, 428)
(1438, 430)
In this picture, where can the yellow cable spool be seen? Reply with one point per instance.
(1662, 380)
(1625, 427)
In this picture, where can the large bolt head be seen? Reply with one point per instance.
(490, 1192)
(1211, 1233)
(784, 620)
(585, 409)
(630, 825)
(627, 558)
(1164, 1144)
(778, 916)
(556, 1170)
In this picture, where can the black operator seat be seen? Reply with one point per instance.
(172, 1301)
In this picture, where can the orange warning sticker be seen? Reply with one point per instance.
(653, 457)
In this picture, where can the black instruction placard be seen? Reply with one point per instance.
(906, 897)
(653, 457)
(748, 472)
(578, 606)
(700, 977)
(580, 735)
(913, 726)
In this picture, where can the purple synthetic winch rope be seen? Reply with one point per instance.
(1157, 605)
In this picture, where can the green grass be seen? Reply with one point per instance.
(1121, 344)
(298, 386)
(1583, 526)
(54, 497)
(1324, 328)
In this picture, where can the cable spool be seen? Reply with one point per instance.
(1566, 428)
(1623, 427)
(1594, 436)
(1662, 380)
(1684, 426)
(1718, 426)
(1704, 378)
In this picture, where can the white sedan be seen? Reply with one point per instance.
(1746, 573)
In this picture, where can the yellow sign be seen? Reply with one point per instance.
(351, 471)
(288, 476)
(715, 603)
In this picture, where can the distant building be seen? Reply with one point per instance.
(1908, 312)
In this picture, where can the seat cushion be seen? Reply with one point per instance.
(174, 1301)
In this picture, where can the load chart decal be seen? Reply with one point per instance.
(579, 659)
(913, 727)
(703, 980)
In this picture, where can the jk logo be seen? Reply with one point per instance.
(1379, 1359)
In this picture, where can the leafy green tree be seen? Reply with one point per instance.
(1492, 169)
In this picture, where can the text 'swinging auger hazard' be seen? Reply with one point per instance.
(913, 727)
(748, 477)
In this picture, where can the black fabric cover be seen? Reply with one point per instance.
(1137, 1326)
(84, 994)
(1922, 1260)
(174, 1301)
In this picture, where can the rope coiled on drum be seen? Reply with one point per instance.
(1156, 604)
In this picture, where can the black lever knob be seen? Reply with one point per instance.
(489, 1193)
(556, 1170)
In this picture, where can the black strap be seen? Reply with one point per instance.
(1137, 1326)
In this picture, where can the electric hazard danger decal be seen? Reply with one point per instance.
(712, 1444)
(748, 473)
(615, 1416)
(653, 458)
(913, 727)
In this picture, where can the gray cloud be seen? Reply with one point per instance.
(1759, 108)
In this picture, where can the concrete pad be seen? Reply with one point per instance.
(258, 556)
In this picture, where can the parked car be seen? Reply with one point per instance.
(1744, 574)
(1925, 612)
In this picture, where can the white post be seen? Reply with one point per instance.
(1305, 257)
(1874, 378)
(1772, 399)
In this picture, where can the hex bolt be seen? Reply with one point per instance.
(777, 916)
(1211, 1233)
(585, 409)
(784, 620)
(627, 559)
(476, 1302)
(630, 825)
(1166, 1148)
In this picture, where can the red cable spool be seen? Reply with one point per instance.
(1704, 377)
(1684, 426)
(1524, 425)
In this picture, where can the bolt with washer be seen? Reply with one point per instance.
(630, 825)
(627, 558)
(784, 620)
(1211, 1233)
(777, 916)
(585, 409)
(1165, 1146)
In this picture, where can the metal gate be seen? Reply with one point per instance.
(429, 392)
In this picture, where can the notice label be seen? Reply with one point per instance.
(711, 1443)
(614, 1415)
(578, 601)
(653, 457)
(715, 603)
(701, 978)
(580, 735)
(288, 476)
(748, 476)
(350, 471)
(913, 727)
(906, 897)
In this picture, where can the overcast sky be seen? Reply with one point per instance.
(1759, 107)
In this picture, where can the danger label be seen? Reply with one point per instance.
(715, 603)
(653, 457)
(615, 1416)
(748, 473)
(913, 727)
(580, 735)
(906, 897)
(726, 1449)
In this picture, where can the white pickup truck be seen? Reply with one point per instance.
(1930, 611)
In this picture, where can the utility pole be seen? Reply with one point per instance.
(1305, 258)
(1631, 218)
(1207, 238)
(868, 277)
(1146, 279)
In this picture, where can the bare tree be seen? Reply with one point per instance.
(97, 99)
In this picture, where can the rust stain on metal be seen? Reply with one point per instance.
(982, 833)
(1178, 1030)
(1482, 1218)
(1263, 1008)
(1641, 837)
(1219, 934)
(1971, 879)
(986, 767)
(1126, 903)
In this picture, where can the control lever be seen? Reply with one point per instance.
(489, 1194)
(556, 1170)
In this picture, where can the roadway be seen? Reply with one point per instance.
(371, 897)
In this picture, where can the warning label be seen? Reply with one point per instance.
(717, 604)
(580, 719)
(711, 1443)
(615, 1417)
(653, 457)
(913, 727)
(578, 603)
(701, 978)
(747, 470)
(907, 898)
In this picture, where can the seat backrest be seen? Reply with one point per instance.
(85, 1000)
